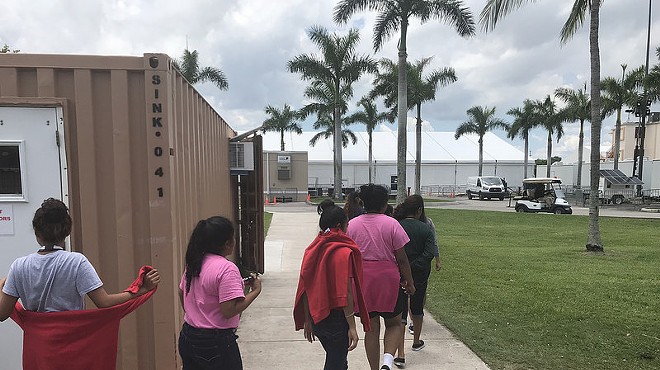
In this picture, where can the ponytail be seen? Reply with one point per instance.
(209, 236)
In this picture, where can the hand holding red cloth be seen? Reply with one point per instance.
(327, 264)
(75, 340)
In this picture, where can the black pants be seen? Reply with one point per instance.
(332, 332)
(417, 300)
(209, 349)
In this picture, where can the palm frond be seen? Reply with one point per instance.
(466, 128)
(495, 10)
(345, 9)
(214, 75)
(575, 20)
(453, 13)
(387, 23)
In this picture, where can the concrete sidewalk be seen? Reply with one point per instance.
(267, 337)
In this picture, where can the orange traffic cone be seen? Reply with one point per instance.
(266, 203)
(275, 200)
(309, 199)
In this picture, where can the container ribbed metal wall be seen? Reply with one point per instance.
(147, 158)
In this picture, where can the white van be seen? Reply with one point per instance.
(485, 187)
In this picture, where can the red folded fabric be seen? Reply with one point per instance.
(75, 340)
(135, 285)
(327, 264)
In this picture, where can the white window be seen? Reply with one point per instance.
(12, 172)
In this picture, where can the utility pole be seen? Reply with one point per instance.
(642, 110)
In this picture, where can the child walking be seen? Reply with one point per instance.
(330, 289)
(211, 293)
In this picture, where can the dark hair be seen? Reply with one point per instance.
(323, 205)
(409, 207)
(331, 216)
(353, 206)
(209, 236)
(389, 211)
(374, 197)
(52, 222)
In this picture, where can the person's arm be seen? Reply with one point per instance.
(436, 249)
(7, 302)
(307, 328)
(235, 306)
(102, 299)
(350, 318)
(404, 268)
(181, 300)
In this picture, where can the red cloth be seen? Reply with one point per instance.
(75, 340)
(328, 262)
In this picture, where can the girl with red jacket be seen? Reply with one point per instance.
(330, 289)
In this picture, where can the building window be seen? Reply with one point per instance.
(10, 170)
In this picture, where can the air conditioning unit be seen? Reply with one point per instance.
(241, 156)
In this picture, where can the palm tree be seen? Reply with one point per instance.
(326, 127)
(480, 121)
(550, 120)
(5, 49)
(189, 67)
(653, 81)
(617, 94)
(281, 121)
(338, 68)
(578, 108)
(370, 117)
(394, 15)
(496, 9)
(420, 90)
(524, 119)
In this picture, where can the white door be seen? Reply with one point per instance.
(32, 164)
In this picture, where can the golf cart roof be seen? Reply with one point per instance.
(542, 180)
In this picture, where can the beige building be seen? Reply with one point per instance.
(285, 176)
(651, 141)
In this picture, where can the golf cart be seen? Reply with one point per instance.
(543, 194)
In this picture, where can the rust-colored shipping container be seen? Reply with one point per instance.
(141, 157)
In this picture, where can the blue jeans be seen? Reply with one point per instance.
(332, 332)
(209, 349)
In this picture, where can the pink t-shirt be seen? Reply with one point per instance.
(377, 235)
(219, 281)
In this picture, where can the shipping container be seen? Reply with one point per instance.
(139, 156)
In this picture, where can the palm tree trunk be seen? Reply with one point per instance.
(418, 151)
(526, 156)
(594, 242)
(371, 164)
(580, 150)
(338, 160)
(617, 138)
(549, 155)
(402, 101)
(282, 140)
(481, 155)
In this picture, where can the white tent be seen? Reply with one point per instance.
(446, 162)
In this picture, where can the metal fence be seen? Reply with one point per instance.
(282, 195)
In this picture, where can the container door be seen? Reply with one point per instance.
(31, 170)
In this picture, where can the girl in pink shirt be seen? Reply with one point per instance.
(211, 293)
(381, 240)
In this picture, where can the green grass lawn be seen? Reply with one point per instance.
(520, 290)
(267, 218)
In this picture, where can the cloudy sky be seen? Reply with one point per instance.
(252, 40)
